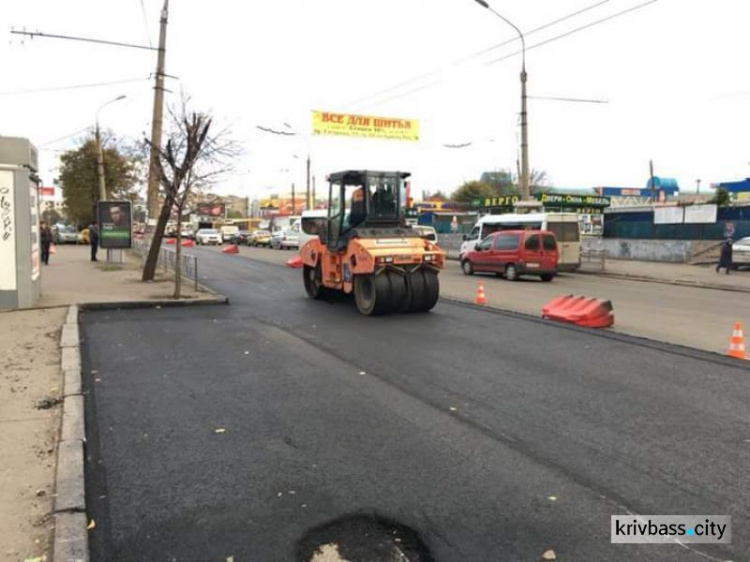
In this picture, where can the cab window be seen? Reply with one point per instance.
(532, 242)
(474, 234)
(485, 244)
(548, 243)
(506, 242)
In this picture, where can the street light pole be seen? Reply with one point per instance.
(525, 193)
(99, 151)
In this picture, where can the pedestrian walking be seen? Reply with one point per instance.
(46, 239)
(725, 258)
(94, 240)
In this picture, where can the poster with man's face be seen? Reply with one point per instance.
(115, 224)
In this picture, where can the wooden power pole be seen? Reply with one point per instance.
(156, 123)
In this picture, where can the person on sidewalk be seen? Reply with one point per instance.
(725, 258)
(45, 233)
(94, 240)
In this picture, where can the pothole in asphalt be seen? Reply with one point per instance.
(362, 538)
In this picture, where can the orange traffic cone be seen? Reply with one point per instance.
(480, 295)
(737, 343)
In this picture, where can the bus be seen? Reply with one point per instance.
(564, 226)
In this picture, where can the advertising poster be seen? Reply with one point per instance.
(7, 232)
(214, 210)
(701, 214)
(115, 224)
(364, 126)
(35, 235)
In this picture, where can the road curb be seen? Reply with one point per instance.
(680, 282)
(70, 543)
(165, 303)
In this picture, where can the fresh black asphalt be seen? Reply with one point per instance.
(264, 429)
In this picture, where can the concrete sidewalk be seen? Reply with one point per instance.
(71, 278)
(674, 274)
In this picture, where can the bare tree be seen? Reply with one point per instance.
(193, 158)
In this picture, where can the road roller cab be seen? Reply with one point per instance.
(364, 247)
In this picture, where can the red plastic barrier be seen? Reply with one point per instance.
(171, 241)
(581, 311)
(187, 243)
(295, 262)
(231, 249)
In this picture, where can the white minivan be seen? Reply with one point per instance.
(564, 226)
(310, 224)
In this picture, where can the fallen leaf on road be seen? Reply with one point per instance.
(220, 430)
(549, 555)
(247, 353)
(157, 306)
(453, 409)
(94, 372)
(91, 525)
(362, 373)
(36, 559)
(553, 498)
(230, 558)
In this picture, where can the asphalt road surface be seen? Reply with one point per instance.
(272, 427)
(690, 316)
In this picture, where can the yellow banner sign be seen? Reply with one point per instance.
(364, 126)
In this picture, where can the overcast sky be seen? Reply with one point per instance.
(675, 74)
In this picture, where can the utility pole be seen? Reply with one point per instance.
(653, 186)
(294, 201)
(100, 165)
(308, 205)
(156, 122)
(313, 192)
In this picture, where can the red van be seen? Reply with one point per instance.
(513, 253)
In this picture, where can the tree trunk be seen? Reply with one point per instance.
(149, 269)
(178, 256)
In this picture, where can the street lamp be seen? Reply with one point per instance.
(308, 204)
(525, 195)
(294, 133)
(99, 154)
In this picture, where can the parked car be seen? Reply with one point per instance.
(426, 232)
(290, 238)
(208, 236)
(242, 237)
(187, 234)
(260, 238)
(275, 240)
(66, 235)
(513, 253)
(741, 253)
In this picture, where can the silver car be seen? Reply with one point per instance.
(741, 253)
(66, 235)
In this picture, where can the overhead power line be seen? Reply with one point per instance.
(495, 61)
(73, 87)
(479, 53)
(576, 30)
(33, 34)
(145, 24)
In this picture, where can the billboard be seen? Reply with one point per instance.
(115, 224)
(364, 126)
(215, 210)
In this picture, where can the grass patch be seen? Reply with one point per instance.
(110, 267)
